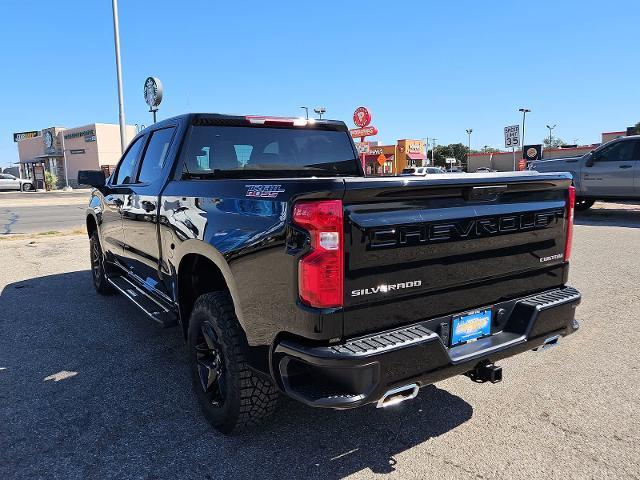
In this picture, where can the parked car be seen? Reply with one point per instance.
(288, 271)
(421, 171)
(11, 182)
(610, 172)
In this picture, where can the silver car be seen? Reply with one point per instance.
(10, 182)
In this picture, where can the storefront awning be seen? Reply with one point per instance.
(415, 156)
(372, 158)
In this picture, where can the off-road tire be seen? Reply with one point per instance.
(583, 204)
(249, 398)
(98, 272)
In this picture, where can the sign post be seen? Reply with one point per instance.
(362, 119)
(512, 139)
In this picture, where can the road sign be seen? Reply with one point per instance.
(512, 136)
(381, 159)
(363, 132)
(362, 147)
(361, 117)
(450, 160)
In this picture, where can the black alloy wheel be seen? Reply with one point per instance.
(210, 365)
(98, 273)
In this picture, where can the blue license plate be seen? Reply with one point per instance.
(470, 326)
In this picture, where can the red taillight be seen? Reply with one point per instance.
(320, 272)
(571, 203)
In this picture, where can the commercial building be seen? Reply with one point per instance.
(90, 147)
(392, 159)
(504, 161)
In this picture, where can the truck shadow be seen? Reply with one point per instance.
(90, 388)
(611, 217)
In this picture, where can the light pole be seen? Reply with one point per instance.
(433, 152)
(550, 137)
(306, 110)
(320, 111)
(116, 41)
(524, 117)
(66, 171)
(469, 132)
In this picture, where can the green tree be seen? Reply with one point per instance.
(554, 143)
(453, 150)
(637, 127)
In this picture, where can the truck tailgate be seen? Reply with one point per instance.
(415, 249)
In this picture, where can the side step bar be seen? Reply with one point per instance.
(155, 309)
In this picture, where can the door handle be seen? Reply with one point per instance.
(148, 206)
(625, 166)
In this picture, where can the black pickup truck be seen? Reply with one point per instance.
(287, 271)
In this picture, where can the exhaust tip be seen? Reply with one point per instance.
(398, 395)
(549, 343)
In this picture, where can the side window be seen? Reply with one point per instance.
(128, 163)
(618, 152)
(155, 155)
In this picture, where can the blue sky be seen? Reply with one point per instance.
(425, 69)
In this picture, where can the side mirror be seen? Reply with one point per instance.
(94, 178)
(592, 158)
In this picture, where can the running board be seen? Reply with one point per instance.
(155, 309)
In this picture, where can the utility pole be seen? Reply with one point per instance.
(64, 159)
(433, 152)
(524, 117)
(469, 132)
(550, 137)
(320, 111)
(116, 40)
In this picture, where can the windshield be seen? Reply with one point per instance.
(254, 152)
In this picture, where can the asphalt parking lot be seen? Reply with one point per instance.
(91, 389)
(25, 213)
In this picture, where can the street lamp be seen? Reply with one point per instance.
(550, 137)
(320, 111)
(469, 132)
(524, 116)
(306, 110)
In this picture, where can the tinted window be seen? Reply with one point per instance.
(128, 163)
(618, 152)
(155, 155)
(254, 152)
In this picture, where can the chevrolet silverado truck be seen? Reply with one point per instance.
(610, 172)
(289, 272)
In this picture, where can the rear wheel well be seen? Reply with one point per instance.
(196, 275)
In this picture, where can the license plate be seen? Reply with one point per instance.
(470, 326)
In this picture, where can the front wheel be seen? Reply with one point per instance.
(231, 394)
(27, 187)
(583, 204)
(98, 273)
